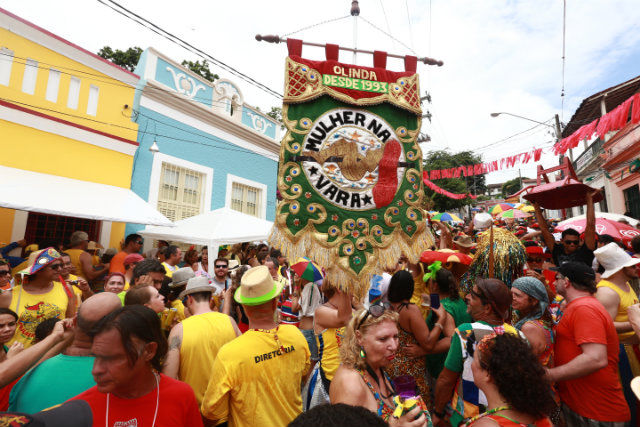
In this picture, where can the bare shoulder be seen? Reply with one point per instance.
(347, 387)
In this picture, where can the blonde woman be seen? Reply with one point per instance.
(370, 344)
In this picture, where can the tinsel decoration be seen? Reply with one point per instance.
(509, 254)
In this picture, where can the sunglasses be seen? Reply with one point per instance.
(376, 311)
(560, 277)
(534, 260)
(56, 266)
(4, 272)
(571, 242)
(221, 266)
(139, 242)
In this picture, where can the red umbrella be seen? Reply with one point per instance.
(615, 229)
(457, 262)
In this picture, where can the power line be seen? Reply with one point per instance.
(386, 19)
(154, 133)
(180, 42)
(105, 79)
(406, 4)
(385, 33)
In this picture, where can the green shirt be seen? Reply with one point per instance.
(54, 381)
(458, 310)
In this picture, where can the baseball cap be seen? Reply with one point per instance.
(576, 271)
(75, 413)
(132, 259)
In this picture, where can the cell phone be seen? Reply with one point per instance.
(72, 282)
(435, 301)
(537, 270)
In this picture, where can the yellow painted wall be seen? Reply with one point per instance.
(39, 151)
(31, 149)
(6, 225)
(113, 94)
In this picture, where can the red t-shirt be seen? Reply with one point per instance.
(598, 395)
(177, 407)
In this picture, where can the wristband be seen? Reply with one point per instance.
(440, 325)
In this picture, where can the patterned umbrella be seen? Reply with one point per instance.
(307, 269)
(496, 209)
(615, 229)
(513, 213)
(445, 217)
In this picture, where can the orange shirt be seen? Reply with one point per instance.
(117, 263)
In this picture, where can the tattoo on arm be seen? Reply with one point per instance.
(175, 343)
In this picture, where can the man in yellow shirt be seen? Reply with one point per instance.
(257, 377)
(172, 257)
(194, 343)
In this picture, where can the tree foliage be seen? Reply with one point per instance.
(511, 187)
(201, 69)
(473, 184)
(127, 59)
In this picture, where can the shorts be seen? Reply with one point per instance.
(311, 340)
(573, 419)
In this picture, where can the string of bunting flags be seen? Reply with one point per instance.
(444, 192)
(482, 168)
(614, 120)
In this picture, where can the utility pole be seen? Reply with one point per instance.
(355, 12)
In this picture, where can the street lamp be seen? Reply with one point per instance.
(556, 128)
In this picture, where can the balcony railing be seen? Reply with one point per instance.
(590, 153)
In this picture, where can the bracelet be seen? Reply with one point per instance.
(440, 325)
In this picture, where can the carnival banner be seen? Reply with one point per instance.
(350, 172)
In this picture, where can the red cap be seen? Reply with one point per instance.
(132, 258)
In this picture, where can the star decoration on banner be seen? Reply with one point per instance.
(313, 170)
(366, 200)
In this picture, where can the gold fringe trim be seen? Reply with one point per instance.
(337, 268)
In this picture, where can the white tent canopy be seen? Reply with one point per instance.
(38, 192)
(214, 228)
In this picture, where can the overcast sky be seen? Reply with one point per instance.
(498, 55)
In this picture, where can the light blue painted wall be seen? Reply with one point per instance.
(180, 140)
(204, 92)
(258, 122)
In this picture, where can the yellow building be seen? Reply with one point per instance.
(66, 137)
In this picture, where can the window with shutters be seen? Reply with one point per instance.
(180, 192)
(246, 196)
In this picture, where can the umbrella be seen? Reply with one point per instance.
(456, 262)
(514, 213)
(496, 209)
(615, 229)
(525, 207)
(307, 269)
(446, 217)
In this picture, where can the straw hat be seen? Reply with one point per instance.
(465, 241)
(197, 284)
(613, 258)
(233, 264)
(181, 276)
(257, 287)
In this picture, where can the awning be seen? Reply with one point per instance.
(38, 192)
(214, 228)
(221, 226)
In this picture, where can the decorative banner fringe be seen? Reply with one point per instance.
(388, 257)
(510, 257)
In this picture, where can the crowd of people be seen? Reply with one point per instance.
(156, 339)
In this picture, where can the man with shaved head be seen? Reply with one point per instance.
(59, 378)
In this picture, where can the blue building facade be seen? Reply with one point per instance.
(201, 147)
